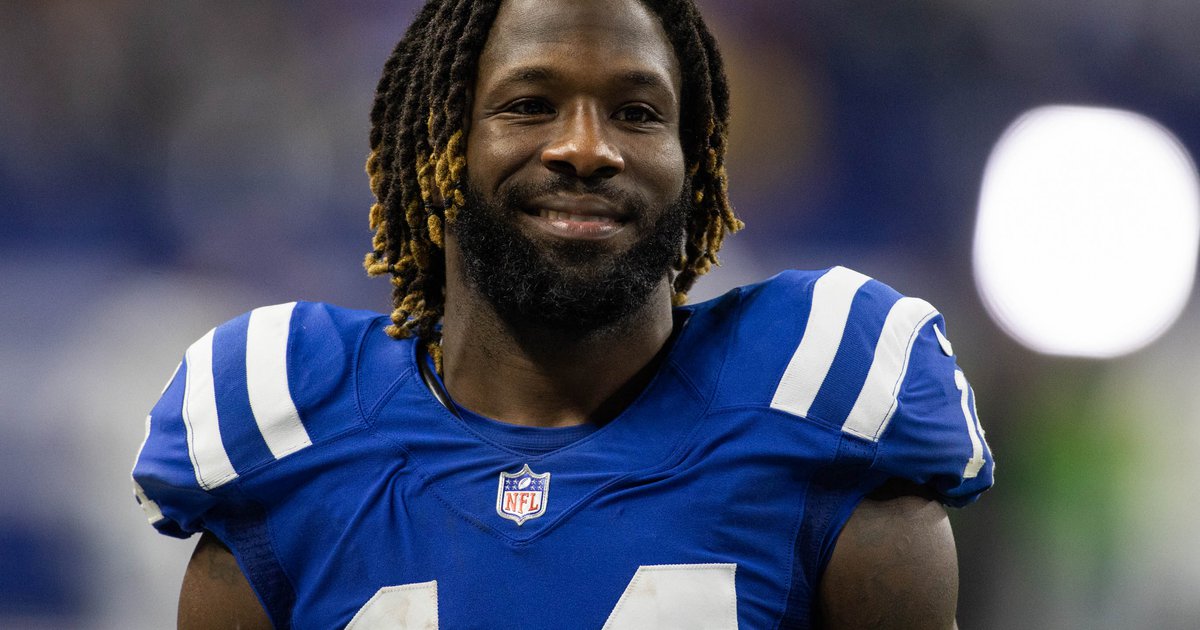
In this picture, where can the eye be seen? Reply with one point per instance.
(530, 107)
(637, 113)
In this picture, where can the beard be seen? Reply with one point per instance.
(561, 285)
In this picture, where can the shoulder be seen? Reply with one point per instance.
(803, 331)
(894, 565)
(857, 358)
(252, 391)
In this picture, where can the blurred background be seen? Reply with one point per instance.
(167, 165)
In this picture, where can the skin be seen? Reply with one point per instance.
(215, 594)
(590, 90)
(600, 105)
(894, 565)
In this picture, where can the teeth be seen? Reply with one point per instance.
(567, 216)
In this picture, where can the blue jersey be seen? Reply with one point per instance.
(306, 439)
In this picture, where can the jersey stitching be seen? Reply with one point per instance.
(710, 397)
(187, 425)
(739, 312)
(786, 415)
(797, 527)
(271, 542)
(368, 415)
(898, 385)
(273, 536)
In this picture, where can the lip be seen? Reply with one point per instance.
(586, 217)
(583, 205)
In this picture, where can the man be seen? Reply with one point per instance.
(566, 450)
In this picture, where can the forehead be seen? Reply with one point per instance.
(590, 38)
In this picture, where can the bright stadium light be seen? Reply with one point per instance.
(1087, 234)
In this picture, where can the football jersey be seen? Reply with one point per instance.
(308, 441)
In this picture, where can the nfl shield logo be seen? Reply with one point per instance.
(522, 495)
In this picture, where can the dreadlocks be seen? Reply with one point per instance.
(418, 151)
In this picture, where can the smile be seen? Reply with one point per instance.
(555, 215)
(564, 224)
(585, 217)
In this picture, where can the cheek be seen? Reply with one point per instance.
(493, 156)
(477, 156)
(664, 168)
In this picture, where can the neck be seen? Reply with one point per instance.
(532, 376)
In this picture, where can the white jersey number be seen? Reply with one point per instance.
(974, 430)
(665, 596)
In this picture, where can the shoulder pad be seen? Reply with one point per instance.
(251, 391)
(843, 350)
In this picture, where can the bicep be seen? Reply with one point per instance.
(215, 592)
(894, 566)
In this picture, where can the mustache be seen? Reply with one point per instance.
(519, 194)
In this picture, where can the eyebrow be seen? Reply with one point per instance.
(527, 74)
(543, 74)
(644, 79)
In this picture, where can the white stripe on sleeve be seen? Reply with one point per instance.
(880, 392)
(267, 380)
(205, 447)
(832, 295)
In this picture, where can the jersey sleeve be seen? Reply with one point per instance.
(860, 358)
(918, 408)
(164, 481)
(252, 391)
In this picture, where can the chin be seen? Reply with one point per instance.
(581, 285)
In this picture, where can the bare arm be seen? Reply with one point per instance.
(894, 566)
(215, 593)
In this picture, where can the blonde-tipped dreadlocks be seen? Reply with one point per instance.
(417, 158)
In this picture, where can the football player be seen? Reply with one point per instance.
(543, 434)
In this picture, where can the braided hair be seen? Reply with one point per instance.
(418, 151)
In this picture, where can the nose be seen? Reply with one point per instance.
(581, 147)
